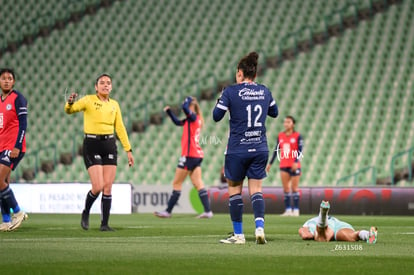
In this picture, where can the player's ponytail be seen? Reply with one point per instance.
(198, 110)
(248, 65)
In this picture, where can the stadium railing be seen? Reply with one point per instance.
(409, 153)
(355, 176)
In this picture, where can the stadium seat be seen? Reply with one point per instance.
(339, 92)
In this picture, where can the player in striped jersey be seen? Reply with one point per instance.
(248, 103)
(13, 123)
(192, 155)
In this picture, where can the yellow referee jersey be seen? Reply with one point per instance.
(100, 117)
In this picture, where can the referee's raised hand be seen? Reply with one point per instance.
(72, 98)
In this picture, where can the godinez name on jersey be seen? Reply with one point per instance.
(248, 104)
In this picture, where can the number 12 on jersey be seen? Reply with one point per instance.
(258, 111)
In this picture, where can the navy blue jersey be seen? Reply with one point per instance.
(248, 104)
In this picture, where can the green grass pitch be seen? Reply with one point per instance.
(144, 244)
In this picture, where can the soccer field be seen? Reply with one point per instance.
(144, 244)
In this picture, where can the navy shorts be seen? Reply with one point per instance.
(298, 172)
(6, 160)
(99, 151)
(189, 163)
(251, 165)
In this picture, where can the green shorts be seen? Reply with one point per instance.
(337, 225)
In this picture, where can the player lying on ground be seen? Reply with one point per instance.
(324, 228)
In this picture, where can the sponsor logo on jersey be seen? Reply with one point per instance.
(248, 94)
(1, 120)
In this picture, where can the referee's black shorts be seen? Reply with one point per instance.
(99, 150)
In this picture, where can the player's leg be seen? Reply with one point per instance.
(256, 173)
(322, 220)
(236, 212)
(323, 232)
(346, 235)
(285, 177)
(295, 193)
(258, 205)
(96, 177)
(343, 231)
(179, 177)
(196, 179)
(6, 215)
(235, 172)
(109, 172)
(93, 164)
(6, 193)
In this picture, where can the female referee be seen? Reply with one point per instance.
(191, 157)
(289, 148)
(101, 116)
(248, 103)
(13, 123)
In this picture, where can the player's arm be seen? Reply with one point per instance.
(123, 135)
(273, 110)
(72, 107)
(21, 110)
(300, 148)
(273, 156)
(173, 117)
(221, 107)
(305, 234)
(186, 108)
(121, 130)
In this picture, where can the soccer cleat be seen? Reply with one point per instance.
(106, 228)
(295, 213)
(17, 219)
(260, 236)
(205, 215)
(162, 214)
(5, 226)
(85, 220)
(287, 213)
(373, 235)
(234, 239)
(325, 205)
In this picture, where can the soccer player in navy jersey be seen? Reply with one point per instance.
(192, 155)
(248, 103)
(13, 123)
